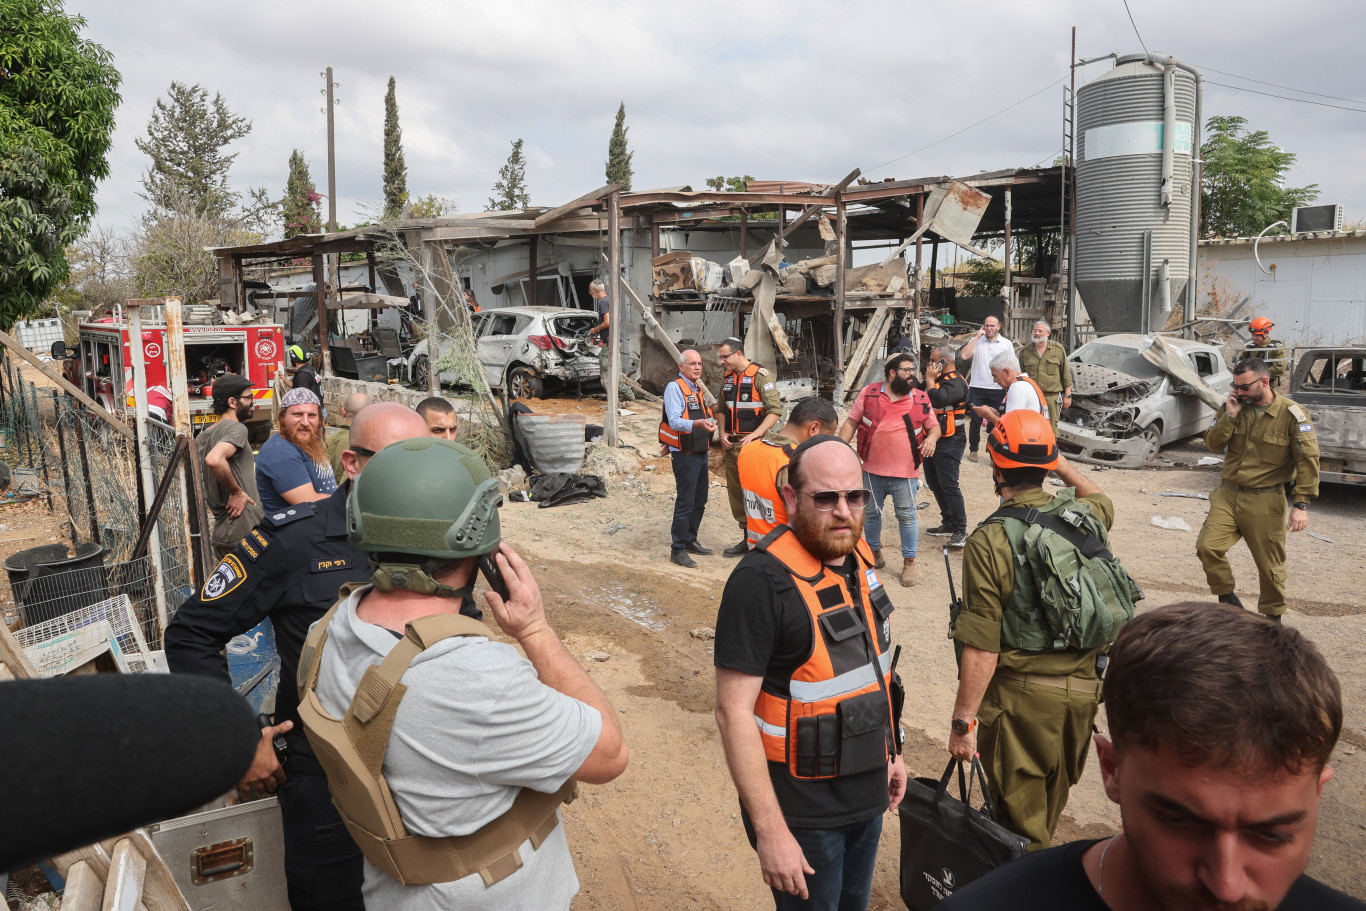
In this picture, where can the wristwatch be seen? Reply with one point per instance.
(961, 727)
(1301, 505)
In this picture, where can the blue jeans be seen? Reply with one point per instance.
(903, 491)
(690, 496)
(843, 859)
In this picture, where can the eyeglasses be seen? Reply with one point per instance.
(1246, 387)
(826, 500)
(362, 451)
(909, 369)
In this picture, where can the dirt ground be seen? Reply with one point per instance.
(667, 833)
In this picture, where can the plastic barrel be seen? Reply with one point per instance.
(48, 582)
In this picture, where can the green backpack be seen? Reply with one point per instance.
(1070, 591)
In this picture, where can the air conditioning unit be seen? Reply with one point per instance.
(1304, 219)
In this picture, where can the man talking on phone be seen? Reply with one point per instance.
(451, 780)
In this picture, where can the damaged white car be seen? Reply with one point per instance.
(1124, 408)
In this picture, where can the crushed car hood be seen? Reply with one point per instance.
(1093, 379)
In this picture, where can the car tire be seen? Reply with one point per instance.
(523, 383)
(420, 369)
(1152, 435)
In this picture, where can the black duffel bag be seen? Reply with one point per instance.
(945, 843)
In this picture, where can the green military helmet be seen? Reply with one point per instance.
(423, 497)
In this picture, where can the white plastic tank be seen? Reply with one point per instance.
(1133, 219)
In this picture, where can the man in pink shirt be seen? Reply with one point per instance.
(896, 428)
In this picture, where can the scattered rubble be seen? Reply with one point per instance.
(1175, 523)
(702, 632)
(597, 655)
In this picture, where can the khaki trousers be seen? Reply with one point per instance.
(1033, 740)
(734, 491)
(1257, 516)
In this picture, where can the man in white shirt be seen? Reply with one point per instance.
(1021, 389)
(982, 387)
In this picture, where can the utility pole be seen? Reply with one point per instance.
(333, 260)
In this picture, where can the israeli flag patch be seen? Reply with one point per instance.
(873, 581)
(1305, 428)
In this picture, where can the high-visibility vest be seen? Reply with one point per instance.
(759, 465)
(744, 409)
(1043, 402)
(949, 417)
(837, 717)
(694, 409)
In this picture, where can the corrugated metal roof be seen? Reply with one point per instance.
(1281, 238)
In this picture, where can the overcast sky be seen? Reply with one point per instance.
(795, 90)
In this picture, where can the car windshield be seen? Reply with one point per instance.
(572, 326)
(1117, 357)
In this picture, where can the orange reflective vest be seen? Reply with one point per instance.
(837, 717)
(744, 408)
(1043, 402)
(694, 409)
(759, 465)
(950, 416)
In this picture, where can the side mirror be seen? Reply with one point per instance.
(59, 350)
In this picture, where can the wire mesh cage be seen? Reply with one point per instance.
(111, 628)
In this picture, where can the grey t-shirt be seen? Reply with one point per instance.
(604, 308)
(475, 726)
(228, 531)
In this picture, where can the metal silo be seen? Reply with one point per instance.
(1137, 127)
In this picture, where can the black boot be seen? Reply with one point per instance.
(681, 558)
(1231, 598)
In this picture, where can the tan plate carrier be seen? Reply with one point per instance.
(351, 751)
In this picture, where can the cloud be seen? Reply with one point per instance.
(805, 90)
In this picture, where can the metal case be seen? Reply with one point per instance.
(228, 858)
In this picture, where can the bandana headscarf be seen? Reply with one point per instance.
(298, 397)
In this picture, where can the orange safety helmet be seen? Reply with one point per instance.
(1261, 324)
(1023, 439)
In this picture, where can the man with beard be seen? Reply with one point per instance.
(1218, 812)
(1045, 362)
(803, 645)
(1270, 443)
(896, 429)
(290, 568)
(292, 466)
(230, 468)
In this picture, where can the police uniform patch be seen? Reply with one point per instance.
(290, 514)
(225, 579)
(249, 548)
(332, 563)
(262, 542)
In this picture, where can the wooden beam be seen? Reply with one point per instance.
(560, 211)
(13, 344)
(615, 337)
(663, 337)
(786, 229)
(739, 199)
(127, 873)
(84, 890)
(841, 251)
(13, 658)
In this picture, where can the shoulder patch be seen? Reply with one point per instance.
(229, 574)
(1306, 428)
(289, 514)
(768, 387)
(1298, 413)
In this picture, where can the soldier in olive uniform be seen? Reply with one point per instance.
(1267, 348)
(749, 407)
(1270, 442)
(1045, 362)
(1036, 704)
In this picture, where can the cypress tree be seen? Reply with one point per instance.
(618, 156)
(300, 205)
(395, 171)
(509, 193)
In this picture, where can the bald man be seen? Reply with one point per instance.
(289, 569)
(339, 439)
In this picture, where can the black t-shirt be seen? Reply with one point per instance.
(1054, 880)
(763, 629)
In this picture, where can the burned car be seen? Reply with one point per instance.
(1125, 408)
(526, 349)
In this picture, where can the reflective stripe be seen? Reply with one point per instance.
(848, 682)
(771, 730)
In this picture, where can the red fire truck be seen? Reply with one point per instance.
(103, 362)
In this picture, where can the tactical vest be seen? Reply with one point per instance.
(950, 416)
(1077, 595)
(874, 408)
(764, 508)
(744, 407)
(837, 718)
(694, 409)
(1043, 400)
(351, 751)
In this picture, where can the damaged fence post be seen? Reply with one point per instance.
(89, 485)
(60, 415)
(614, 334)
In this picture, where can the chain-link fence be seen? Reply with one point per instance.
(62, 455)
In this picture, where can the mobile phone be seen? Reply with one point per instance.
(489, 567)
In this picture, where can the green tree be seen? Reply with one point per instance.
(729, 184)
(186, 139)
(1244, 187)
(509, 193)
(985, 277)
(395, 170)
(300, 205)
(432, 206)
(618, 155)
(58, 93)
(170, 255)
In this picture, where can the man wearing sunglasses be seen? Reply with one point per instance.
(804, 689)
(1268, 442)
